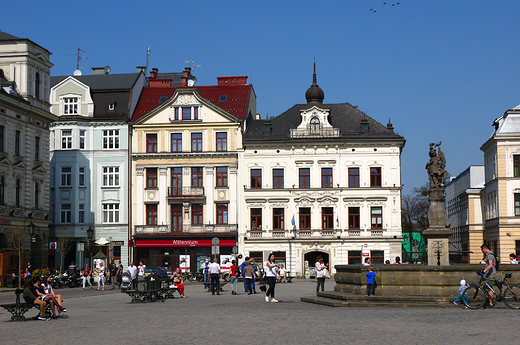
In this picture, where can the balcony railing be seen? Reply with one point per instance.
(152, 229)
(315, 132)
(180, 192)
(187, 228)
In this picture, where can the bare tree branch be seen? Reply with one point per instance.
(64, 244)
(18, 240)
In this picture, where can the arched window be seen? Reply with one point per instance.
(2, 190)
(37, 196)
(18, 193)
(37, 85)
(315, 125)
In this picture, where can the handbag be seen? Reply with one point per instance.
(326, 273)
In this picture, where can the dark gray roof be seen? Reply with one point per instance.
(343, 116)
(174, 77)
(5, 36)
(106, 82)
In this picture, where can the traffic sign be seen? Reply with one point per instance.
(215, 241)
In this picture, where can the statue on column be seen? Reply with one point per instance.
(436, 167)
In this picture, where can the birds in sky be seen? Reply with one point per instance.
(373, 10)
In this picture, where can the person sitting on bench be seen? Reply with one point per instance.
(50, 293)
(31, 296)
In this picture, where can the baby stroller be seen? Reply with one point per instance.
(126, 281)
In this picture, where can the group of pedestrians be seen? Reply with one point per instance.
(112, 275)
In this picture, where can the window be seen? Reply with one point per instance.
(70, 105)
(222, 213)
(82, 139)
(376, 216)
(17, 143)
(256, 219)
(277, 178)
(326, 178)
(327, 214)
(18, 193)
(151, 142)
(378, 256)
(353, 217)
(151, 178)
(81, 177)
(81, 213)
(305, 217)
(465, 255)
(66, 139)
(176, 212)
(375, 177)
(278, 219)
(37, 196)
(37, 148)
(196, 142)
(222, 177)
(517, 204)
(111, 213)
(221, 141)
(110, 176)
(196, 113)
(66, 176)
(256, 178)
(196, 177)
(176, 142)
(110, 139)
(176, 182)
(2, 139)
(315, 125)
(2, 190)
(517, 248)
(176, 113)
(196, 214)
(353, 177)
(305, 177)
(186, 113)
(354, 257)
(37, 85)
(65, 213)
(151, 214)
(222, 98)
(516, 165)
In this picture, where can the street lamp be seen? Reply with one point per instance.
(90, 236)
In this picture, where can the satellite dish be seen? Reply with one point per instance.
(192, 80)
(77, 73)
(107, 69)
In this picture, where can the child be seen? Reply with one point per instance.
(371, 284)
(462, 287)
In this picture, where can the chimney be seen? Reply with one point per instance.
(141, 69)
(185, 76)
(153, 73)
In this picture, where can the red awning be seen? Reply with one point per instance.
(183, 243)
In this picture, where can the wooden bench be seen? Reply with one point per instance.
(18, 309)
(153, 295)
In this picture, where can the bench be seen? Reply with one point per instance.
(221, 286)
(168, 292)
(152, 295)
(18, 309)
(153, 291)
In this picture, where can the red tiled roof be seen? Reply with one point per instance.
(236, 104)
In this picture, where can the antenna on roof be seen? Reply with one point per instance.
(78, 59)
(147, 60)
(193, 65)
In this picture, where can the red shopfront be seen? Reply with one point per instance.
(169, 252)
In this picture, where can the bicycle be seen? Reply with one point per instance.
(474, 297)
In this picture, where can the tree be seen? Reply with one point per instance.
(64, 244)
(414, 212)
(19, 238)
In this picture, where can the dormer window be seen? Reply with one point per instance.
(364, 126)
(315, 126)
(222, 98)
(70, 106)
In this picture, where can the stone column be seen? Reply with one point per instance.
(437, 235)
(139, 196)
(232, 209)
(163, 196)
(209, 191)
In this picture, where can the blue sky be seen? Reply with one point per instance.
(440, 70)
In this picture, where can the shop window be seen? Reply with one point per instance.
(378, 256)
(258, 257)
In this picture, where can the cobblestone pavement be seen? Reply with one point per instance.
(109, 317)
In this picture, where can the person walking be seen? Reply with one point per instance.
(256, 271)
(140, 275)
(233, 277)
(248, 274)
(114, 273)
(86, 277)
(242, 267)
(214, 273)
(462, 287)
(371, 283)
(270, 274)
(489, 272)
(320, 278)
(101, 276)
(132, 270)
(206, 274)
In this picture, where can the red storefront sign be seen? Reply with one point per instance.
(183, 243)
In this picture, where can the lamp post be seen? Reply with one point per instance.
(31, 228)
(90, 236)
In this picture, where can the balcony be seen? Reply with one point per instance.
(185, 192)
(210, 228)
(315, 132)
(152, 229)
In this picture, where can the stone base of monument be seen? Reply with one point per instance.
(437, 241)
(404, 285)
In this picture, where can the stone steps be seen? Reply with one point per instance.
(340, 299)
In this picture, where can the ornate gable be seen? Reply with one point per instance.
(314, 123)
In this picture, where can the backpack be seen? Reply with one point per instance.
(496, 262)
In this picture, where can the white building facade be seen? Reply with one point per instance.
(320, 179)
